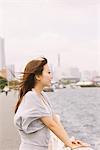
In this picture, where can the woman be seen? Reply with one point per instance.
(34, 117)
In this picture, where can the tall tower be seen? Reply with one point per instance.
(2, 54)
(58, 70)
(58, 60)
(3, 71)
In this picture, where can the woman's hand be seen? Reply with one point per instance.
(83, 143)
(74, 144)
(78, 144)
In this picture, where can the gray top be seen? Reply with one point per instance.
(27, 120)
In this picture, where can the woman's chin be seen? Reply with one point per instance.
(48, 85)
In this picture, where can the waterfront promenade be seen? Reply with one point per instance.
(79, 110)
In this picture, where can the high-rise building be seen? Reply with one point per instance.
(2, 54)
(86, 75)
(58, 60)
(74, 72)
(57, 73)
(3, 71)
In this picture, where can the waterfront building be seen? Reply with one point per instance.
(3, 73)
(86, 75)
(74, 72)
(97, 80)
(89, 75)
(94, 74)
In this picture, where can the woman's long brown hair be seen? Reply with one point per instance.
(28, 81)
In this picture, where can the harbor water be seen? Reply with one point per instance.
(79, 111)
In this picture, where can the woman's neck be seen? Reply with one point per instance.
(38, 89)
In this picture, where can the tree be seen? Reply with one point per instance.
(3, 82)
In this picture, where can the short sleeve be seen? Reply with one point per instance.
(30, 112)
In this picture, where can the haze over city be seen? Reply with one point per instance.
(33, 28)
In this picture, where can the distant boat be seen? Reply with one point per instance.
(48, 89)
(86, 84)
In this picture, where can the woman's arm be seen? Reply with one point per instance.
(54, 124)
(56, 118)
(57, 129)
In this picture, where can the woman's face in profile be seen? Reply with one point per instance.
(46, 76)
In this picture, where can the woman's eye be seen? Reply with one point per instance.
(49, 72)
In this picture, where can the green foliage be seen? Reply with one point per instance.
(3, 82)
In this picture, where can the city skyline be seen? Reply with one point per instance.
(48, 28)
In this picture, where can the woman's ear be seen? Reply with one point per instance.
(37, 77)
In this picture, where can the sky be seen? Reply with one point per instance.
(33, 28)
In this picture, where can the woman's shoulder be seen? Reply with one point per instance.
(29, 99)
(29, 94)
